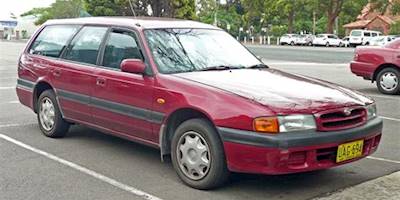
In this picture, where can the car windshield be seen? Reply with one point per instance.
(187, 50)
(356, 33)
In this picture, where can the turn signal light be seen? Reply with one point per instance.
(266, 125)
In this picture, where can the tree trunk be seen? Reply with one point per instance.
(291, 21)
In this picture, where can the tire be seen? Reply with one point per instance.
(292, 43)
(388, 81)
(327, 44)
(47, 109)
(202, 132)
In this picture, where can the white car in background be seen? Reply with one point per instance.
(327, 40)
(362, 37)
(289, 39)
(381, 40)
(305, 39)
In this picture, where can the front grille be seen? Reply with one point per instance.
(340, 119)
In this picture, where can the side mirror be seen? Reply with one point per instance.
(134, 66)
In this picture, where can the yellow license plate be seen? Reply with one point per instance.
(349, 150)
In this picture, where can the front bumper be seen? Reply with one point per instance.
(252, 152)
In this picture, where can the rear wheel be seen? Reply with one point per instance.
(49, 116)
(292, 43)
(388, 81)
(327, 44)
(198, 156)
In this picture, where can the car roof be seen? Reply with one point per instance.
(138, 22)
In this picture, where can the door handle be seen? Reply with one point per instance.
(100, 81)
(57, 73)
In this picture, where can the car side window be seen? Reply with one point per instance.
(52, 40)
(367, 34)
(85, 46)
(120, 45)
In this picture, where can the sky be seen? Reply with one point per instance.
(20, 6)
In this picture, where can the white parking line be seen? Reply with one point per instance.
(384, 97)
(390, 118)
(383, 159)
(15, 125)
(7, 88)
(84, 170)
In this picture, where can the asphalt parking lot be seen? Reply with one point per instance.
(88, 164)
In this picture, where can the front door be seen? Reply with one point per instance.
(122, 102)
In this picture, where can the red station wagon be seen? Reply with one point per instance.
(194, 92)
(380, 64)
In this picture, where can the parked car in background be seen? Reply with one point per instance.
(380, 65)
(305, 40)
(195, 93)
(327, 40)
(362, 37)
(346, 41)
(381, 40)
(289, 39)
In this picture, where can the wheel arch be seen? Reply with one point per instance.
(172, 122)
(383, 66)
(39, 88)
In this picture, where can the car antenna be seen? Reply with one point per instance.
(131, 6)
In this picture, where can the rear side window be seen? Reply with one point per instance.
(52, 40)
(120, 45)
(85, 46)
(367, 34)
(374, 34)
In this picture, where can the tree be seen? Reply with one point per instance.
(184, 9)
(383, 6)
(332, 8)
(116, 7)
(57, 10)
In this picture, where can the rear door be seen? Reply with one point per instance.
(122, 101)
(74, 77)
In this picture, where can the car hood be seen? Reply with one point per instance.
(282, 92)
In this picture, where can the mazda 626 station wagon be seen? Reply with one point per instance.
(194, 92)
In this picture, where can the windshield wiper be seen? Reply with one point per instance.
(258, 66)
(220, 67)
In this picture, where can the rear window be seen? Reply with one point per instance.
(52, 40)
(356, 33)
(85, 46)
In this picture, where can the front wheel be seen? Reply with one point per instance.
(388, 81)
(327, 44)
(198, 156)
(49, 116)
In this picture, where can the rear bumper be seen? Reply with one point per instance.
(251, 152)
(365, 70)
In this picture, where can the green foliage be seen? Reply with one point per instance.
(395, 29)
(184, 9)
(58, 10)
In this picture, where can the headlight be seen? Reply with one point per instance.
(296, 123)
(286, 123)
(371, 111)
